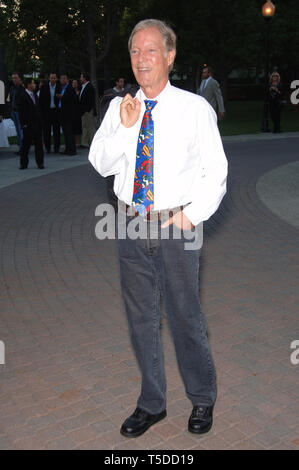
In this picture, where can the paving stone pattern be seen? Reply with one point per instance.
(70, 376)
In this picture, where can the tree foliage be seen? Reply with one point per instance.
(91, 35)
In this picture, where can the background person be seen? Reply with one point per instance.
(210, 90)
(119, 85)
(275, 93)
(15, 93)
(49, 106)
(88, 110)
(77, 129)
(31, 122)
(67, 105)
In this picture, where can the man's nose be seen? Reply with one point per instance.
(141, 56)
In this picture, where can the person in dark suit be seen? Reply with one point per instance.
(67, 105)
(15, 92)
(50, 111)
(31, 123)
(88, 110)
(210, 90)
(78, 121)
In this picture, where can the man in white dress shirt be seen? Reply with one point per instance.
(189, 177)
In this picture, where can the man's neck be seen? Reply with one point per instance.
(153, 92)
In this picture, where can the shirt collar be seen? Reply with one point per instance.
(162, 95)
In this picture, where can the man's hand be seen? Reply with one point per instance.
(180, 220)
(222, 115)
(129, 110)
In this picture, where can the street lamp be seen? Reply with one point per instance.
(268, 10)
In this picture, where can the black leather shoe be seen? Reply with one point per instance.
(139, 422)
(201, 419)
(23, 168)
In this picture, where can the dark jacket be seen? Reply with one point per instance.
(30, 113)
(87, 99)
(276, 98)
(69, 104)
(45, 97)
(15, 94)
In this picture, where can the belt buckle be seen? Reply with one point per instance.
(151, 216)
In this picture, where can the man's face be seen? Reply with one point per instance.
(53, 78)
(31, 86)
(82, 79)
(16, 79)
(63, 80)
(150, 61)
(205, 74)
(120, 83)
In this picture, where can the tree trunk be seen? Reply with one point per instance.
(92, 54)
(61, 62)
(3, 70)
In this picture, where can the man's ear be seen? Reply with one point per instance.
(171, 57)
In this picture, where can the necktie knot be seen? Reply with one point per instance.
(150, 104)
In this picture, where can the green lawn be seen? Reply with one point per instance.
(245, 117)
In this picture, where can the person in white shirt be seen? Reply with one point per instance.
(189, 181)
(119, 85)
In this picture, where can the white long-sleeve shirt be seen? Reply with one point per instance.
(189, 162)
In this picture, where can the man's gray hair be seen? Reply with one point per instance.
(168, 34)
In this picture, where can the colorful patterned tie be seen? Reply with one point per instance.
(143, 195)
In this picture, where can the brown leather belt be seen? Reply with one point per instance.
(154, 215)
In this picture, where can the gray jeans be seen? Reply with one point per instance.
(149, 267)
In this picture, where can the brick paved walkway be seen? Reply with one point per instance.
(70, 376)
